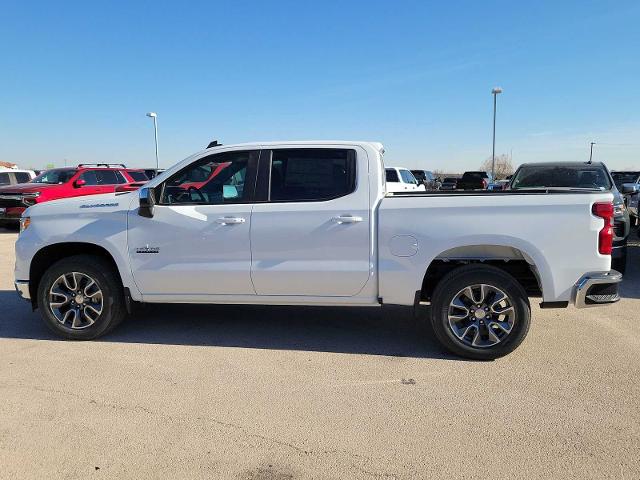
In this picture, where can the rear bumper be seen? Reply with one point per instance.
(597, 288)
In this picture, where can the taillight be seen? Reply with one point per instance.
(604, 210)
(484, 183)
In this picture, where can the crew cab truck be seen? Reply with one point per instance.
(311, 223)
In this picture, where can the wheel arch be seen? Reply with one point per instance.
(50, 254)
(528, 267)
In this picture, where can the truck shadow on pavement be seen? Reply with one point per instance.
(630, 287)
(368, 331)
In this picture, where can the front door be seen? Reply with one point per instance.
(311, 234)
(197, 242)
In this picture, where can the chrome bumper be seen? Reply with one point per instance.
(23, 289)
(595, 289)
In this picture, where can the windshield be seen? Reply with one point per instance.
(620, 178)
(547, 176)
(54, 177)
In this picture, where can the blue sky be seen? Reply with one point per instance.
(76, 79)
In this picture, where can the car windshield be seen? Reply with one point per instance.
(620, 178)
(54, 177)
(549, 176)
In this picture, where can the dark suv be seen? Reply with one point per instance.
(580, 176)
(475, 181)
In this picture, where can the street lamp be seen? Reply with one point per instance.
(495, 93)
(154, 115)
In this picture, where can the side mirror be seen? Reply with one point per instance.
(79, 183)
(630, 188)
(147, 202)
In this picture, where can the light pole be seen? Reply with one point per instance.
(591, 152)
(495, 93)
(154, 115)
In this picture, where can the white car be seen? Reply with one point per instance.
(312, 223)
(12, 176)
(402, 180)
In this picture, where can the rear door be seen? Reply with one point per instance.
(310, 234)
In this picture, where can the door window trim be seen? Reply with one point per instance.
(263, 185)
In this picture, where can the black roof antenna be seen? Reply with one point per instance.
(214, 144)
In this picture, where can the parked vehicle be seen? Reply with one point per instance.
(629, 178)
(13, 176)
(427, 178)
(474, 181)
(402, 180)
(85, 179)
(580, 176)
(314, 225)
(449, 183)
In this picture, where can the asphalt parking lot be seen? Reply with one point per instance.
(288, 393)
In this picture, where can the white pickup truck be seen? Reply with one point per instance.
(311, 223)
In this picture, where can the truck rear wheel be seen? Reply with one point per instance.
(480, 312)
(81, 297)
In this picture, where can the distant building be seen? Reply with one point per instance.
(8, 165)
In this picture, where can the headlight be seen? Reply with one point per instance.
(24, 223)
(619, 209)
(30, 198)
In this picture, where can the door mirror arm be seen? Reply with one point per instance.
(147, 200)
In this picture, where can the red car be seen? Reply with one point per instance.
(85, 179)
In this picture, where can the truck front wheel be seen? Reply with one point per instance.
(81, 297)
(480, 312)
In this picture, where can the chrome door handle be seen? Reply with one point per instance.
(230, 220)
(347, 219)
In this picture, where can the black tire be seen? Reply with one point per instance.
(107, 280)
(468, 275)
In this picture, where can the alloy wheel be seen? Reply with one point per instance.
(76, 300)
(481, 316)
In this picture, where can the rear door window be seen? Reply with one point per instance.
(5, 179)
(311, 174)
